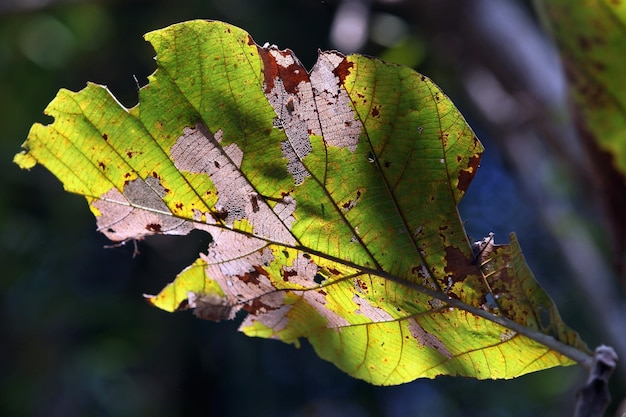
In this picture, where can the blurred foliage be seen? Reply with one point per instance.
(77, 338)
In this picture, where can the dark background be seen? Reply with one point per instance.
(77, 338)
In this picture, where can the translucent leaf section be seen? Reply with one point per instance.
(331, 197)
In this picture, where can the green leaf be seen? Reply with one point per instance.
(591, 39)
(331, 198)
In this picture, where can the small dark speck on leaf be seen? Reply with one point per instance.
(290, 106)
(318, 279)
(255, 203)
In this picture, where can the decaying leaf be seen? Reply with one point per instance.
(331, 198)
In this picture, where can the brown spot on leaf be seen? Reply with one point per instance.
(105, 136)
(466, 175)
(101, 165)
(282, 65)
(343, 70)
(376, 111)
(253, 276)
(289, 105)
(444, 139)
(255, 203)
(256, 307)
(458, 266)
(153, 227)
(288, 274)
(220, 215)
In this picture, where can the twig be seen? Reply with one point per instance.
(594, 397)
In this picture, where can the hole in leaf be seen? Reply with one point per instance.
(165, 256)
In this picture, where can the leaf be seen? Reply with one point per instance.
(331, 198)
(591, 38)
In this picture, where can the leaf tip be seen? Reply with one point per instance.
(24, 160)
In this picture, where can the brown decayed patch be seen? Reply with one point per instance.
(257, 306)
(343, 69)
(220, 215)
(153, 227)
(255, 203)
(253, 276)
(288, 274)
(291, 75)
(466, 175)
(458, 266)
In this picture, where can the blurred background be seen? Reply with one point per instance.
(77, 338)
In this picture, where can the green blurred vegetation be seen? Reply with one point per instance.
(77, 339)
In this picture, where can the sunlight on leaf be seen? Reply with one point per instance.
(331, 199)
